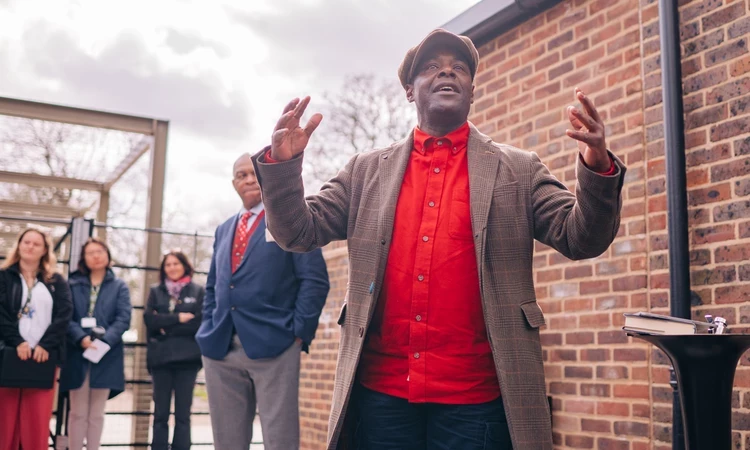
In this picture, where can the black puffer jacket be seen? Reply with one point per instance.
(11, 293)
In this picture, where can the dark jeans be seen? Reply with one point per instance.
(181, 381)
(391, 423)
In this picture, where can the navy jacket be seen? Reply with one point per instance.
(112, 311)
(274, 297)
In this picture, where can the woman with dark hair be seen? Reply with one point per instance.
(35, 309)
(172, 316)
(101, 303)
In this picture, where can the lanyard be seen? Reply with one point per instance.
(93, 296)
(26, 308)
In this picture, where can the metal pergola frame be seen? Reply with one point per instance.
(158, 130)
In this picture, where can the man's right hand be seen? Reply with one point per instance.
(289, 139)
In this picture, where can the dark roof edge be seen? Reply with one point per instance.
(491, 18)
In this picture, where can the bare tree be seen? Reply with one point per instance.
(366, 113)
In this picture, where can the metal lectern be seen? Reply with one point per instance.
(705, 365)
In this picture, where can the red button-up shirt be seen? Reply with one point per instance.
(427, 341)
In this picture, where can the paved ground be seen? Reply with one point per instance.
(117, 428)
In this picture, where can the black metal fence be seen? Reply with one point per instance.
(118, 429)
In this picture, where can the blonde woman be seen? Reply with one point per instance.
(35, 308)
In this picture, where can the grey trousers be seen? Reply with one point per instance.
(86, 419)
(237, 384)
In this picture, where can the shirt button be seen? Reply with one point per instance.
(431, 204)
(437, 169)
(425, 238)
(416, 355)
(233, 308)
(382, 241)
(419, 318)
(440, 142)
(420, 278)
(231, 286)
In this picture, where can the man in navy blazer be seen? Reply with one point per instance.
(261, 308)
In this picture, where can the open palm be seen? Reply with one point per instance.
(289, 139)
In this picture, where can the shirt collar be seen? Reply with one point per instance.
(255, 209)
(456, 140)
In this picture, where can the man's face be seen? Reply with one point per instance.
(442, 87)
(245, 183)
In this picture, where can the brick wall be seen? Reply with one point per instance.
(319, 366)
(610, 392)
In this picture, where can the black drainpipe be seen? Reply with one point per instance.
(674, 145)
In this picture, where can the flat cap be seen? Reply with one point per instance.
(438, 39)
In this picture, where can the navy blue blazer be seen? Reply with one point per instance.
(274, 297)
(112, 311)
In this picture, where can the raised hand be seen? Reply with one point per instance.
(588, 130)
(289, 139)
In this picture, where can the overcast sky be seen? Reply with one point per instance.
(219, 71)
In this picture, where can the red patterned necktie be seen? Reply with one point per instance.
(242, 236)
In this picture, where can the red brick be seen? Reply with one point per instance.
(593, 55)
(596, 426)
(733, 169)
(704, 42)
(577, 441)
(595, 390)
(730, 129)
(735, 88)
(732, 294)
(732, 253)
(705, 79)
(711, 194)
(560, 40)
(631, 429)
(726, 52)
(631, 391)
(716, 233)
(612, 409)
(717, 275)
(723, 16)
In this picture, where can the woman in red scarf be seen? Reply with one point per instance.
(172, 316)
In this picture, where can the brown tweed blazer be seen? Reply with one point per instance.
(514, 200)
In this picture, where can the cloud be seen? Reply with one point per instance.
(184, 43)
(340, 37)
(126, 76)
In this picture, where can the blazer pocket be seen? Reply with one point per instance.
(342, 315)
(533, 313)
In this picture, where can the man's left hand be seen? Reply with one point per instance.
(588, 130)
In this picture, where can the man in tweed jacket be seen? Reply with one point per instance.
(440, 340)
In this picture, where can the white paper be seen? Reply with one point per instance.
(88, 322)
(95, 354)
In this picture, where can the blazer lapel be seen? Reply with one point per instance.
(258, 235)
(227, 243)
(483, 164)
(391, 169)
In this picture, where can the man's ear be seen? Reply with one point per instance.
(410, 93)
(472, 94)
